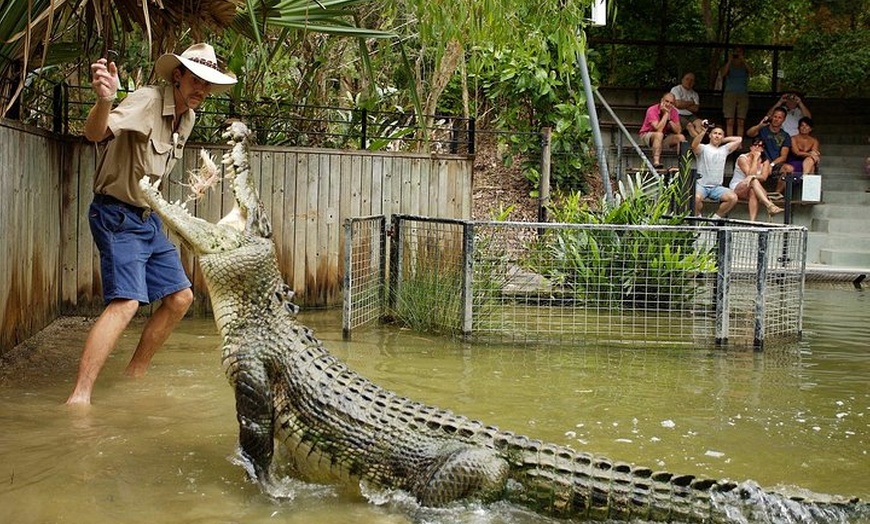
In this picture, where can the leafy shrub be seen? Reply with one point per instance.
(617, 265)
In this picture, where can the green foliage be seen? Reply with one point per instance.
(830, 39)
(430, 301)
(831, 64)
(429, 294)
(617, 266)
(533, 90)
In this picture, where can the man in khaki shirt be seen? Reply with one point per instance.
(144, 135)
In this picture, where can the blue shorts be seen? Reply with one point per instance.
(711, 192)
(137, 260)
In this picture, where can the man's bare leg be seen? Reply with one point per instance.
(101, 341)
(158, 328)
(674, 141)
(729, 200)
(656, 144)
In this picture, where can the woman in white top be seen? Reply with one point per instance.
(750, 171)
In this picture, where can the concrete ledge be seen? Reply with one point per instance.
(848, 275)
(844, 257)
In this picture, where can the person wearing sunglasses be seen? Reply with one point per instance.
(750, 172)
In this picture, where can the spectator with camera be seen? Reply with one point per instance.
(710, 161)
(735, 94)
(750, 172)
(661, 127)
(777, 144)
(688, 103)
(795, 109)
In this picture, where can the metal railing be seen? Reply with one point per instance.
(63, 108)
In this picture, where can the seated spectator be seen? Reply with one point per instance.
(777, 144)
(750, 172)
(794, 111)
(688, 103)
(661, 127)
(710, 160)
(804, 155)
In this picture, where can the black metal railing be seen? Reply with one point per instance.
(63, 109)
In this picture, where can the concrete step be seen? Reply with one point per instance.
(844, 182)
(849, 198)
(841, 164)
(819, 240)
(843, 257)
(844, 149)
(850, 212)
(845, 226)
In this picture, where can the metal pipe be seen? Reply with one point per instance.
(596, 130)
(625, 132)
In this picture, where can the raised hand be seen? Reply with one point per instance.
(105, 81)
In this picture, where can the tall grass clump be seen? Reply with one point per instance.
(429, 291)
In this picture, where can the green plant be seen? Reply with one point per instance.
(534, 88)
(615, 264)
(430, 301)
(429, 296)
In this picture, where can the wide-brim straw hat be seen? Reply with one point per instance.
(200, 60)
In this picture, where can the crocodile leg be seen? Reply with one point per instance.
(254, 413)
(467, 472)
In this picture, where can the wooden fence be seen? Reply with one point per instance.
(52, 266)
(30, 201)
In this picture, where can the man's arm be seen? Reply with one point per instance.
(783, 154)
(754, 130)
(733, 143)
(674, 120)
(664, 118)
(688, 104)
(696, 143)
(105, 85)
(778, 103)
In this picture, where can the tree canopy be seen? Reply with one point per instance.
(509, 63)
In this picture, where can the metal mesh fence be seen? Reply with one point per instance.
(738, 284)
(364, 276)
(428, 278)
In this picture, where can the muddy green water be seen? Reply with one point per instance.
(161, 448)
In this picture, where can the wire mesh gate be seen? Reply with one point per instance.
(738, 284)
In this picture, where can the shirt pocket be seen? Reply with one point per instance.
(162, 157)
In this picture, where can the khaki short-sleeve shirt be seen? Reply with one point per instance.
(143, 143)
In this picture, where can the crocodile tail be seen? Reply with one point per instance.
(560, 481)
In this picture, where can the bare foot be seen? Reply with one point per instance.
(135, 372)
(78, 399)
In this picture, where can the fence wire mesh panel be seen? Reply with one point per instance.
(735, 285)
(427, 273)
(364, 276)
(765, 284)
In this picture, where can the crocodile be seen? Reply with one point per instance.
(335, 426)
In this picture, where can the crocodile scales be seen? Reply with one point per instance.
(338, 427)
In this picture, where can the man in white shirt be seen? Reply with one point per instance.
(795, 109)
(688, 103)
(710, 159)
